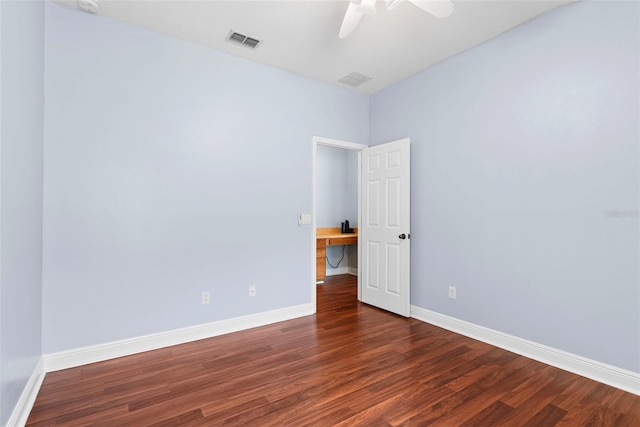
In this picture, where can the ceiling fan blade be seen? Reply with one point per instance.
(438, 8)
(367, 6)
(350, 21)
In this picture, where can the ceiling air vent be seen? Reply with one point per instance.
(244, 40)
(354, 79)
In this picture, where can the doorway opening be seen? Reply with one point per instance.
(344, 145)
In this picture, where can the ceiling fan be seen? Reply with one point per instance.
(357, 9)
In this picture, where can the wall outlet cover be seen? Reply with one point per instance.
(304, 219)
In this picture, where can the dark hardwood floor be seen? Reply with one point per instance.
(350, 364)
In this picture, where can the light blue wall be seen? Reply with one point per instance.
(525, 181)
(352, 187)
(332, 187)
(337, 197)
(337, 186)
(352, 206)
(21, 121)
(172, 169)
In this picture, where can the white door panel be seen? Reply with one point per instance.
(385, 218)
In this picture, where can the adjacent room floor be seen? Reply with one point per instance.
(349, 364)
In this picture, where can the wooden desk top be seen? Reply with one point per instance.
(334, 233)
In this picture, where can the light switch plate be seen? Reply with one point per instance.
(304, 219)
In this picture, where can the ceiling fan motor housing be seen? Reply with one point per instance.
(91, 6)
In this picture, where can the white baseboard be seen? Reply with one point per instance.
(342, 270)
(100, 352)
(25, 403)
(337, 271)
(601, 372)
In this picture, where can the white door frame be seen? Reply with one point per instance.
(319, 140)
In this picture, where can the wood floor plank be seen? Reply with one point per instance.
(489, 416)
(349, 364)
(413, 404)
(547, 416)
(488, 390)
(556, 382)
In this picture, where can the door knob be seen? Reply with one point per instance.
(402, 236)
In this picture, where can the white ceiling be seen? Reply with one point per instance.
(302, 35)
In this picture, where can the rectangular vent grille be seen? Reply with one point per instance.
(242, 39)
(354, 79)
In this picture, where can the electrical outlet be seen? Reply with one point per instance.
(252, 291)
(452, 292)
(205, 297)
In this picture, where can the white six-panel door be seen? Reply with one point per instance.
(385, 227)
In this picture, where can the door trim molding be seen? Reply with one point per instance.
(336, 143)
